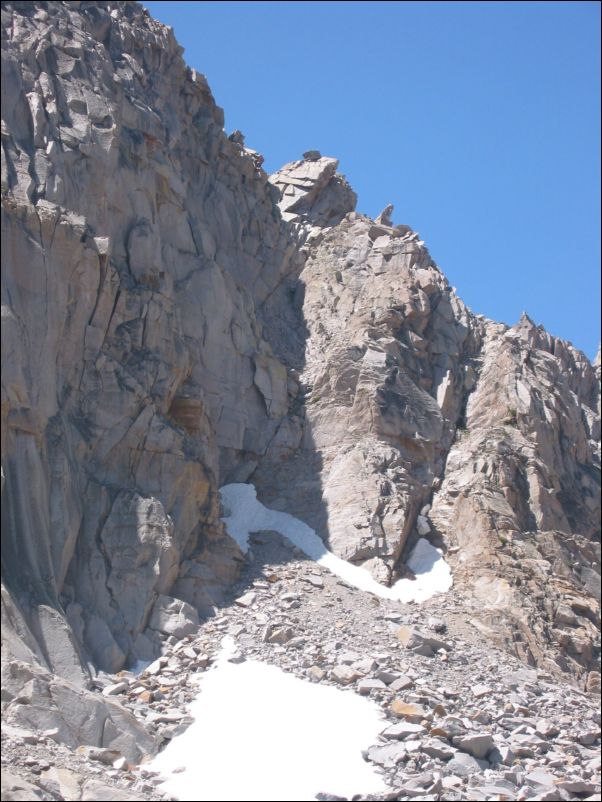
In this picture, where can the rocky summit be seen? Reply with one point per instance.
(175, 320)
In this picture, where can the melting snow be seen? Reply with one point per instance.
(262, 734)
(245, 514)
(139, 667)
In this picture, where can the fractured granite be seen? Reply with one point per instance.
(174, 319)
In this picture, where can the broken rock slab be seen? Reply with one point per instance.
(476, 744)
(420, 642)
(75, 715)
(403, 730)
(409, 710)
(389, 755)
(15, 789)
(64, 782)
(174, 617)
(97, 791)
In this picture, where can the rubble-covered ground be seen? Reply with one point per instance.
(461, 720)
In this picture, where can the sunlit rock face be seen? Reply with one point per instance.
(422, 418)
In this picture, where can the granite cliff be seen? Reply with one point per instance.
(174, 319)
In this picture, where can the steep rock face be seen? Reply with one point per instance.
(138, 244)
(413, 401)
(521, 498)
(312, 192)
(386, 367)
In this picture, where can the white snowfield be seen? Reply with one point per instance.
(244, 514)
(260, 733)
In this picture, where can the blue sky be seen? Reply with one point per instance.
(480, 121)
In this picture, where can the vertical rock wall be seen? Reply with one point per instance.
(138, 244)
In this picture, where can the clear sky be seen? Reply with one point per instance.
(480, 121)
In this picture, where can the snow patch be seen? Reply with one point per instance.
(245, 514)
(139, 666)
(433, 574)
(260, 733)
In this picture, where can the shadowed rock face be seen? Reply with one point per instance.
(138, 246)
(174, 320)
